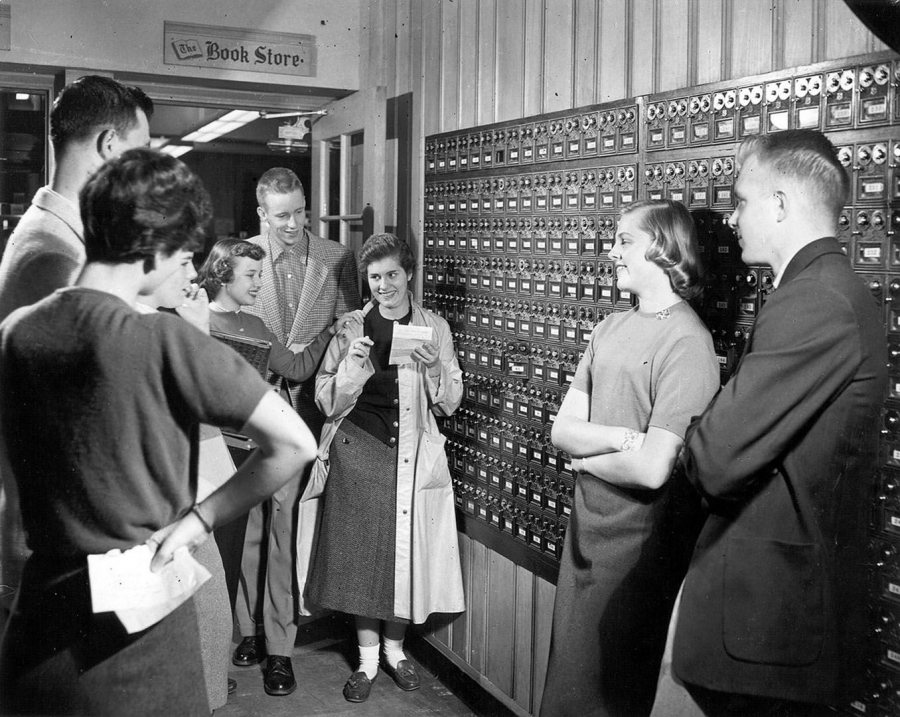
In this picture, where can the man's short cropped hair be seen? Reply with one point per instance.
(803, 156)
(218, 268)
(278, 180)
(673, 246)
(142, 203)
(94, 103)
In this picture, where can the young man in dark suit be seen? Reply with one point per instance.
(771, 617)
(309, 285)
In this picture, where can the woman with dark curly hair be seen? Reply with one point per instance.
(644, 374)
(101, 406)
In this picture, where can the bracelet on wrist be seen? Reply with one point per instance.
(196, 511)
(629, 442)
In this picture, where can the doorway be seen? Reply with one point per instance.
(229, 137)
(24, 146)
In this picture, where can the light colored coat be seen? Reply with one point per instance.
(44, 253)
(427, 574)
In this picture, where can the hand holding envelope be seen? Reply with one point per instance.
(406, 339)
(122, 582)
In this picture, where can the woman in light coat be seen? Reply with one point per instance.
(388, 546)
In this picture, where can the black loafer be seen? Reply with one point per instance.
(232, 686)
(251, 651)
(358, 687)
(279, 677)
(405, 675)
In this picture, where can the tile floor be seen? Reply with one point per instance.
(322, 662)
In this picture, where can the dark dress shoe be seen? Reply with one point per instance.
(232, 686)
(358, 687)
(405, 675)
(279, 678)
(251, 651)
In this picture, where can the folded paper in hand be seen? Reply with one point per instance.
(406, 339)
(121, 582)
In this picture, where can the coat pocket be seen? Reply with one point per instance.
(774, 605)
(432, 470)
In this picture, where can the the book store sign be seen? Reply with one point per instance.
(230, 48)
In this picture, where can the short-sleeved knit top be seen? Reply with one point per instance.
(100, 408)
(649, 369)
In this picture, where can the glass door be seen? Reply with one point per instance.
(348, 182)
(24, 147)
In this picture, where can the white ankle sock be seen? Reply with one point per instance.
(368, 660)
(393, 651)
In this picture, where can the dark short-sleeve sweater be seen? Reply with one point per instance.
(99, 409)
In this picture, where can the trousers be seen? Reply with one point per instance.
(268, 591)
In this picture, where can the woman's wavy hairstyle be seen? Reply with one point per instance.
(380, 246)
(141, 203)
(673, 245)
(218, 268)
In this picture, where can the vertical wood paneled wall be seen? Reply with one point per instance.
(472, 62)
(483, 61)
(494, 60)
(503, 639)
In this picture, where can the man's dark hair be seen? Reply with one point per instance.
(142, 203)
(95, 103)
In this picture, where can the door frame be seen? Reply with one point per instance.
(364, 111)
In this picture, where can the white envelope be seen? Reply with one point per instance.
(121, 582)
(406, 339)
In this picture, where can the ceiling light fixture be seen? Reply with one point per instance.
(227, 123)
(176, 150)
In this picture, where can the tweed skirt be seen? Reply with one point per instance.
(353, 565)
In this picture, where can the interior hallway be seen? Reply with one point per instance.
(322, 662)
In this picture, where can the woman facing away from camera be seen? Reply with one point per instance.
(644, 375)
(100, 407)
(388, 548)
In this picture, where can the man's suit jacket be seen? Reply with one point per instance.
(45, 252)
(330, 288)
(784, 456)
